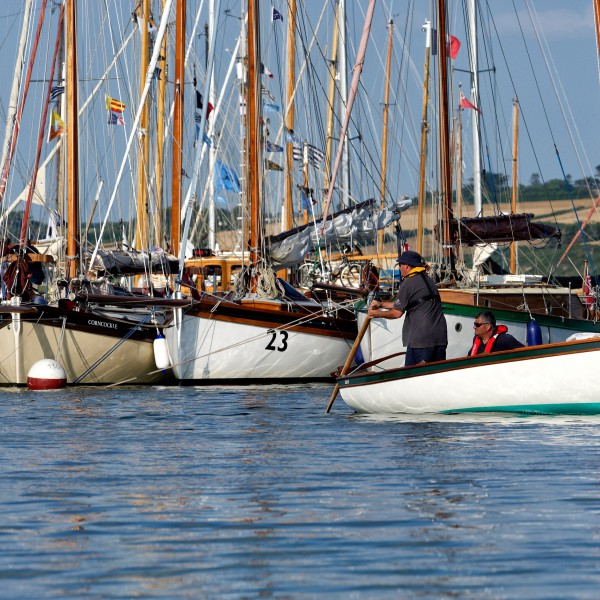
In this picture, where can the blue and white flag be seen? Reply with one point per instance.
(115, 118)
(226, 178)
(56, 91)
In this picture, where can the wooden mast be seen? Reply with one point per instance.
(458, 161)
(179, 76)
(386, 110)
(424, 134)
(160, 125)
(254, 166)
(444, 127)
(331, 98)
(513, 206)
(289, 116)
(72, 132)
(141, 228)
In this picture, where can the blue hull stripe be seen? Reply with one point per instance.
(584, 408)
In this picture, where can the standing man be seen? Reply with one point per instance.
(424, 332)
(490, 337)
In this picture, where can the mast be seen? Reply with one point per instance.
(424, 133)
(343, 72)
(212, 151)
(386, 110)
(444, 128)
(179, 76)
(513, 207)
(288, 210)
(360, 59)
(72, 134)
(474, 67)
(141, 229)
(160, 125)
(255, 167)
(331, 96)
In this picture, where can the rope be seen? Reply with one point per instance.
(111, 350)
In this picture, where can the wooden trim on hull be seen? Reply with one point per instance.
(273, 319)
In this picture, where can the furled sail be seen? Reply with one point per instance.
(500, 228)
(122, 262)
(355, 224)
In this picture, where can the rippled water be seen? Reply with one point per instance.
(256, 492)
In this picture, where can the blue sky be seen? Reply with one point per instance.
(568, 30)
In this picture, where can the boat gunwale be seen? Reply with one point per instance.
(365, 378)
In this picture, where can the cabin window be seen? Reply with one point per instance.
(213, 275)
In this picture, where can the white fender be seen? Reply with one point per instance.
(161, 352)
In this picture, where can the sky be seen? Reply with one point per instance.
(567, 30)
(566, 27)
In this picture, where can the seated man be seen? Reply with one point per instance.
(490, 337)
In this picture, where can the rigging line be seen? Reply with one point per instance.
(115, 347)
(306, 52)
(525, 121)
(568, 186)
(551, 71)
(149, 74)
(59, 349)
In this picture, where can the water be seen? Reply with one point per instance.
(256, 492)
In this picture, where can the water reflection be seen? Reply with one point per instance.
(248, 492)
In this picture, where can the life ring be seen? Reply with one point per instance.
(370, 277)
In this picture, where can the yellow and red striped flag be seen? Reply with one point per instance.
(114, 105)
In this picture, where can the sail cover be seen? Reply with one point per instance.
(500, 228)
(356, 224)
(122, 262)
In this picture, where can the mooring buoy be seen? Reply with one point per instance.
(46, 374)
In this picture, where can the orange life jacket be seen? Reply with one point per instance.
(488, 346)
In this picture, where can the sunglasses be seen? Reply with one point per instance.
(476, 324)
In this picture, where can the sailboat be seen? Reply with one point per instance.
(97, 341)
(265, 331)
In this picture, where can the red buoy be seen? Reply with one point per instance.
(46, 374)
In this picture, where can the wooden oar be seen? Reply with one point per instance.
(346, 367)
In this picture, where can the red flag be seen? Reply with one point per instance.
(588, 292)
(464, 103)
(454, 47)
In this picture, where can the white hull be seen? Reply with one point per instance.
(24, 342)
(202, 348)
(548, 379)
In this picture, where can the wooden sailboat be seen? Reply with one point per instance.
(267, 332)
(97, 342)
